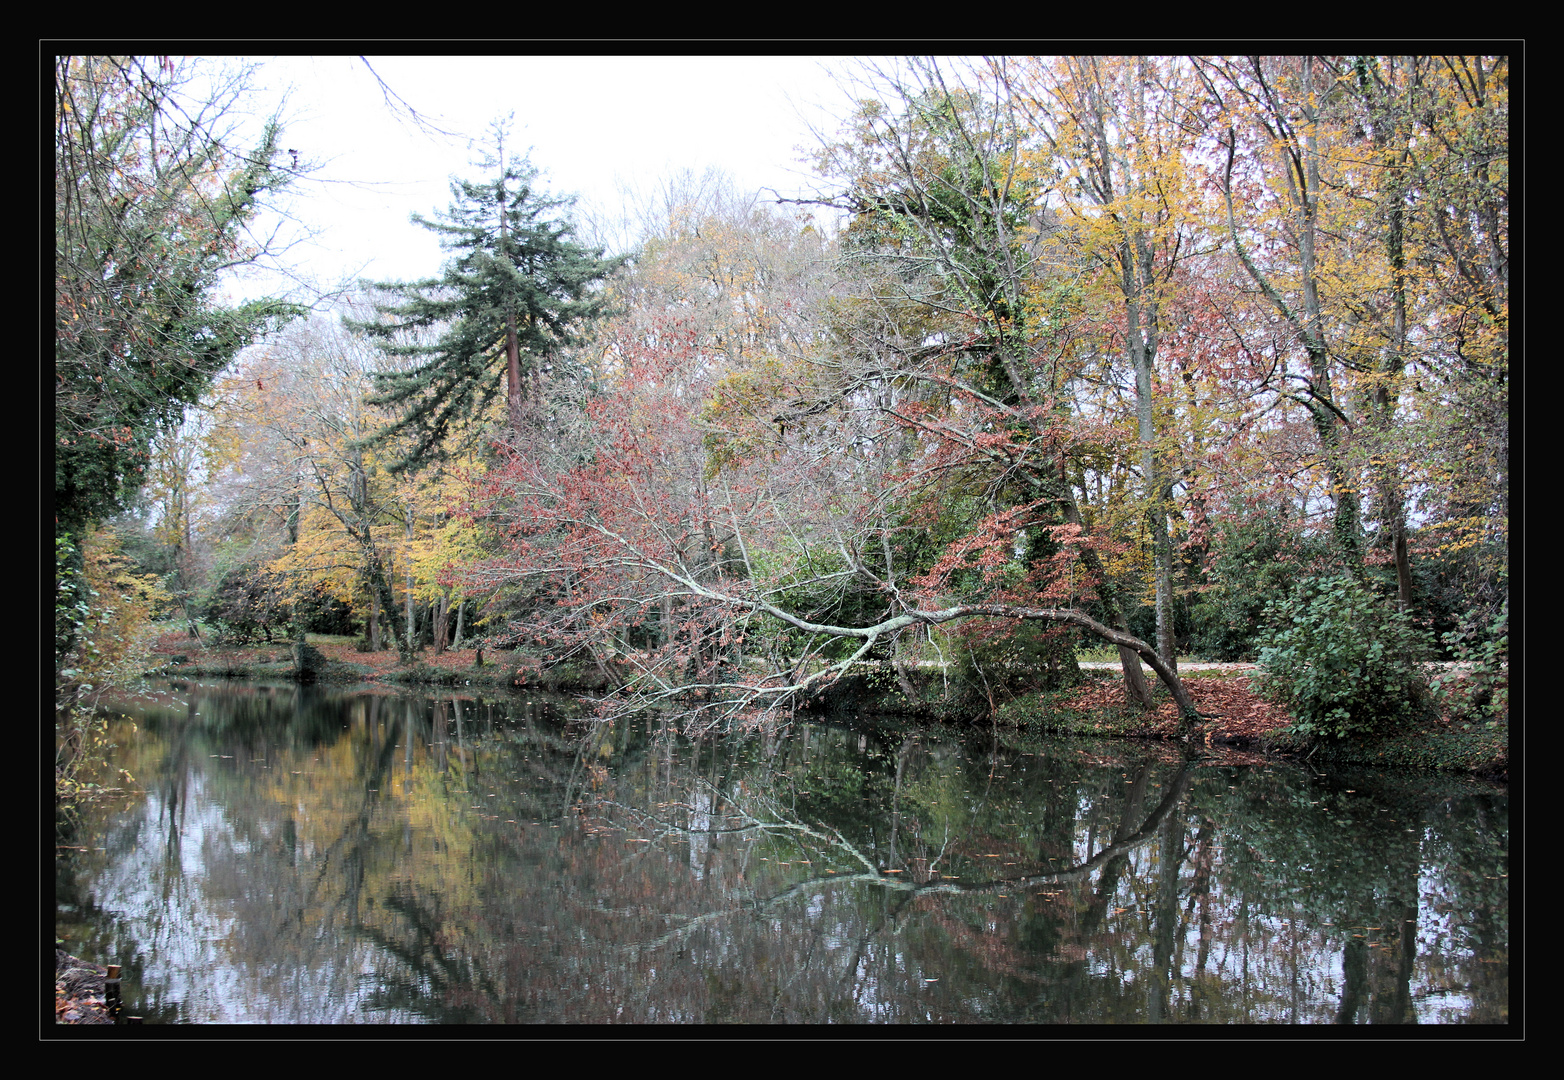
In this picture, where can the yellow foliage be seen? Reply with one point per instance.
(116, 642)
(112, 647)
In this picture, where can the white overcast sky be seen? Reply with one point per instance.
(597, 127)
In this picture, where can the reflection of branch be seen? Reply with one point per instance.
(1147, 831)
(872, 875)
(750, 824)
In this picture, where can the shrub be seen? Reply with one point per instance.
(1482, 692)
(994, 654)
(248, 603)
(1341, 660)
(102, 637)
(323, 613)
(1256, 561)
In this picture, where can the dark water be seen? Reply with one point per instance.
(306, 856)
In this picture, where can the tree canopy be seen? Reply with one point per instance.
(1140, 349)
(151, 205)
(516, 293)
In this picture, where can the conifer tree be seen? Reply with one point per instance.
(517, 291)
(150, 207)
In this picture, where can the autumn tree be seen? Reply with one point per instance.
(745, 273)
(174, 495)
(730, 570)
(951, 204)
(1110, 133)
(103, 612)
(1275, 153)
(1437, 366)
(714, 294)
(297, 422)
(813, 463)
(518, 291)
(1366, 199)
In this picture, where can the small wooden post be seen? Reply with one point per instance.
(111, 1000)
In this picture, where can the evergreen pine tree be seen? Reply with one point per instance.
(517, 291)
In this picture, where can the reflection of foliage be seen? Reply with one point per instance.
(1418, 883)
(457, 861)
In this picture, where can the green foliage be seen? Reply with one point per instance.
(1016, 657)
(1343, 661)
(147, 553)
(150, 207)
(319, 612)
(72, 599)
(1459, 592)
(102, 618)
(951, 217)
(247, 603)
(1259, 559)
(1480, 692)
(516, 275)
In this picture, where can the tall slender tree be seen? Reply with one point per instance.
(1107, 129)
(517, 292)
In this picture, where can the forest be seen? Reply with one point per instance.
(1167, 356)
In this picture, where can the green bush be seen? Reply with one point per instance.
(1015, 656)
(323, 613)
(1341, 660)
(1257, 559)
(1482, 691)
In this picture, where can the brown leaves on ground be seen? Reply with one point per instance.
(1235, 712)
(78, 991)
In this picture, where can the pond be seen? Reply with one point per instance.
(311, 855)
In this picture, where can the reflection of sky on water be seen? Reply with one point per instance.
(393, 871)
(185, 928)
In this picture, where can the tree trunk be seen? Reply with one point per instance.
(1127, 644)
(1134, 678)
(407, 514)
(1138, 280)
(442, 621)
(1158, 491)
(513, 385)
(372, 631)
(1300, 165)
(380, 586)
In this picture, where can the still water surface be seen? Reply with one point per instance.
(306, 855)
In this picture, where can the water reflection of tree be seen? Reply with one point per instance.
(840, 865)
(505, 869)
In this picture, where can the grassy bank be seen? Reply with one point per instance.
(1237, 717)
